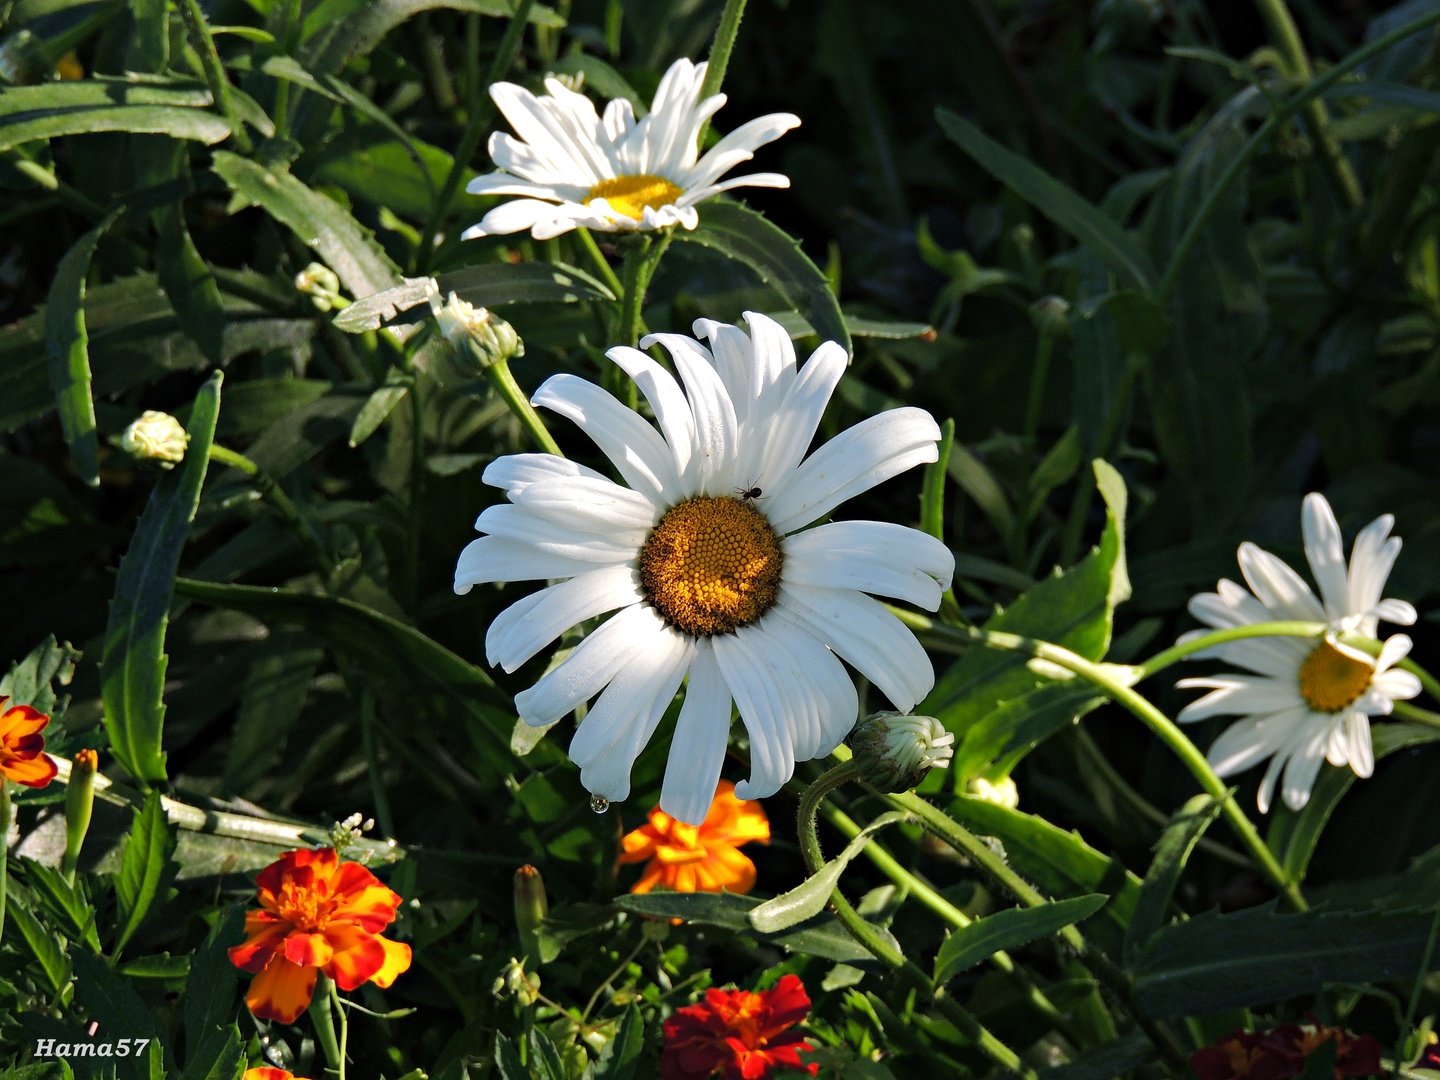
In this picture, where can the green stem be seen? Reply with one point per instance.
(372, 764)
(1285, 36)
(719, 58)
(916, 886)
(509, 390)
(1407, 711)
(324, 1023)
(274, 494)
(1104, 677)
(282, 86)
(602, 264)
(481, 111)
(214, 72)
(1284, 112)
(876, 943)
(1039, 375)
(642, 258)
(343, 1017)
(4, 848)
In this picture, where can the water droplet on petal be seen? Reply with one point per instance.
(599, 803)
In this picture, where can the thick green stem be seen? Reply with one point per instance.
(214, 72)
(4, 848)
(1414, 713)
(344, 1018)
(1285, 36)
(719, 58)
(509, 390)
(876, 943)
(602, 264)
(324, 1022)
(1240, 161)
(642, 258)
(274, 494)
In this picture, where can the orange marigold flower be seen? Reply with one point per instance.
(316, 914)
(22, 747)
(1281, 1053)
(269, 1072)
(699, 858)
(738, 1035)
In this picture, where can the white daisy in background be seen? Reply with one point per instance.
(573, 167)
(699, 553)
(1306, 701)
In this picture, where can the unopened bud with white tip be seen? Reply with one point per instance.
(475, 333)
(894, 751)
(156, 437)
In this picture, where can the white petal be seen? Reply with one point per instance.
(764, 179)
(547, 131)
(770, 642)
(1399, 612)
(1303, 767)
(1371, 560)
(697, 749)
(798, 418)
(1278, 587)
(502, 183)
(833, 686)
(1325, 554)
(868, 637)
(528, 625)
(1276, 657)
(715, 426)
(515, 523)
(1238, 695)
(618, 119)
(1361, 751)
(772, 755)
(1395, 649)
(620, 723)
(494, 558)
(1250, 741)
(637, 450)
(515, 216)
(667, 402)
(515, 471)
(739, 146)
(871, 556)
(857, 459)
(593, 664)
(1396, 685)
(735, 360)
(1266, 794)
(591, 504)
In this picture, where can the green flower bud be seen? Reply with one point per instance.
(1002, 792)
(1051, 316)
(79, 802)
(320, 283)
(515, 981)
(479, 337)
(156, 437)
(531, 907)
(894, 752)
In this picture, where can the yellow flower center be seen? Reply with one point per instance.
(303, 907)
(1330, 679)
(711, 566)
(633, 195)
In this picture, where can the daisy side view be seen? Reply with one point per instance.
(1302, 702)
(704, 556)
(572, 167)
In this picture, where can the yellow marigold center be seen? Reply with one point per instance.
(632, 195)
(303, 908)
(1330, 679)
(711, 565)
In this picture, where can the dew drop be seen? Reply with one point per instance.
(599, 803)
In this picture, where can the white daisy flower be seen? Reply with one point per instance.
(1306, 701)
(573, 167)
(700, 554)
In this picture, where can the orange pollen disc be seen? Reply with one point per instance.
(304, 909)
(1331, 680)
(711, 565)
(633, 195)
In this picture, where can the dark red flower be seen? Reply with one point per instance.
(738, 1035)
(1280, 1053)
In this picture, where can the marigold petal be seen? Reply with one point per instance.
(264, 936)
(638, 844)
(397, 962)
(308, 950)
(787, 1003)
(282, 991)
(34, 772)
(21, 720)
(269, 1072)
(358, 956)
(656, 873)
(727, 868)
(372, 908)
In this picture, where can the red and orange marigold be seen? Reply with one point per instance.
(22, 747)
(317, 914)
(269, 1072)
(1281, 1054)
(699, 858)
(739, 1035)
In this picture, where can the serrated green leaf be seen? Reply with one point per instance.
(47, 949)
(621, 1055)
(1081, 219)
(67, 345)
(321, 224)
(220, 1056)
(809, 898)
(380, 404)
(1172, 851)
(132, 670)
(159, 966)
(823, 936)
(507, 1059)
(63, 902)
(188, 282)
(1259, 955)
(1010, 929)
(742, 234)
(988, 695)
(147, 867)
(28, 682)
(213, 981)
(545, 1062)
(796, 325)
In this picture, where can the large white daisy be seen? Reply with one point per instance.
(573, 167)
(1305, 701)
(700, 555)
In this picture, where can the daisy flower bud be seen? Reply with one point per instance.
(1051, 316)
(1002, 792)
(476, 334)
(156, 437)
(894, 751)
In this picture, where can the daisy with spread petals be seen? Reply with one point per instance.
(573, 167)
(1302, 701)
(317, 914)
(739, 1035)
(698, 858)
(22, 747)
(701, 555)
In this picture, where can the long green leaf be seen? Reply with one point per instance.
(742, 234)
(322, 224)
(132, 670)
(189, 284)
(147, 867)
(1010, 929)
(67, 345)
(193, 124)
(48, 949)
(1258, 955)
(1081, 219)
(1172, 851)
